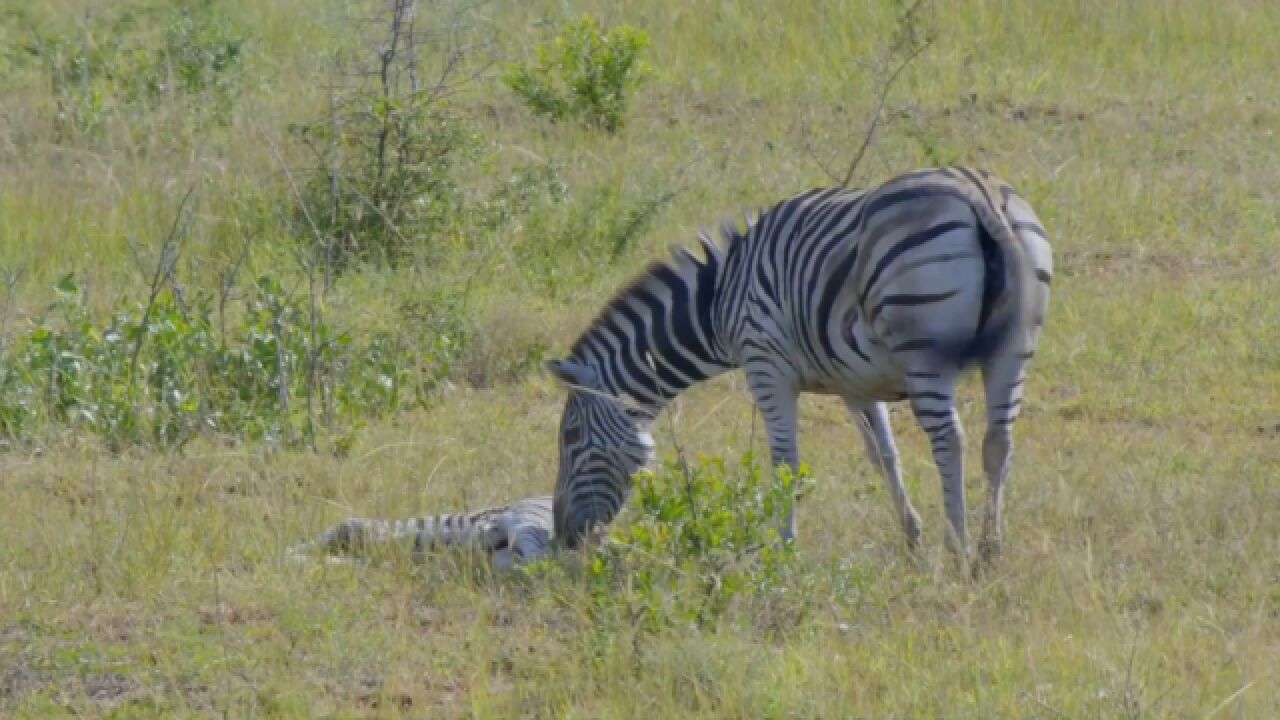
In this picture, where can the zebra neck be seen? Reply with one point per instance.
(650, 380)
(661, 334)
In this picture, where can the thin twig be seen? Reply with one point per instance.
(411, 38)
(335, 185)
(1231, 698)
(11, 281)
(293, 186)
(1056, 712)
(226, 284)
(164, 269)
(907, 41)
(307, 261)
(879, 111)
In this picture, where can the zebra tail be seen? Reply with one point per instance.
(1008, 283)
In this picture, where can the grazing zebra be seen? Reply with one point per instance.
(512, 533)
(874, 295)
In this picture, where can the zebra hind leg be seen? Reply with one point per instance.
(877, 435)
(1002, 377)
(932, 396)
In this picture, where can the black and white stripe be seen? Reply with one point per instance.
(511, 533)
(874, 295)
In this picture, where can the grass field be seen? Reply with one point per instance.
(1141, 576)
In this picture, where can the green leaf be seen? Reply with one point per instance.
(67, 287)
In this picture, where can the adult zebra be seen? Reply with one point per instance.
(874, 295)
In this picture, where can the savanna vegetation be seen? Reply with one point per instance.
(266, 264)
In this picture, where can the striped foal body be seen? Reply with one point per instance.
(873, 295)
(511, 533)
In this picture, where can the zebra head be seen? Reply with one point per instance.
(604, 440)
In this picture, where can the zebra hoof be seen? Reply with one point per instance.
(989, 551)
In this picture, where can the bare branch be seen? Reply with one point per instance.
(165, 264)
(226, 283)
(908, 45)
(11, 280)
(293, 186)
(878, 113)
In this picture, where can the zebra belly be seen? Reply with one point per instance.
(862, 371)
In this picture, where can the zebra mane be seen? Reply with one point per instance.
(683, 263)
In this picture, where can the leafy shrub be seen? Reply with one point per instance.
(203, 50)
(699, 540)
(387, 183)
(114, 65)
(441, 333)
(525, 190)
(389, 152)
(161, 373)
(587, 73)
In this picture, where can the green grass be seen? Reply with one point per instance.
(1143, 558)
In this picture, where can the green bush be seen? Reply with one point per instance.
(389, 153)
(117, 64)
(387, 183)
(161, 372)
(699, 540)
(587, 73)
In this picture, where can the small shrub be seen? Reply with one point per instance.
(116, 66)
(388, 183)
(389, 153)
(699, 540)
(159, 375)
(203, 50)
(440, 334)
(587, 73)
(525, 190)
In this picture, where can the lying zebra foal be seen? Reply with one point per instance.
(512, 534)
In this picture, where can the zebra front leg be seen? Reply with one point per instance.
(777, 402)
(932, 397)
(873, 424)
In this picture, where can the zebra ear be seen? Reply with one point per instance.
(570, 372)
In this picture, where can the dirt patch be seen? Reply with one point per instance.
(19, 677)
(1054, 113)
(1107, 261)
(226, 613)
(108, 689)
(23, 677)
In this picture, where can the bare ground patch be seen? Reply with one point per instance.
(1126, 260)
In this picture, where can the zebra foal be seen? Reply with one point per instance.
(874, 295)
(511, 534)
